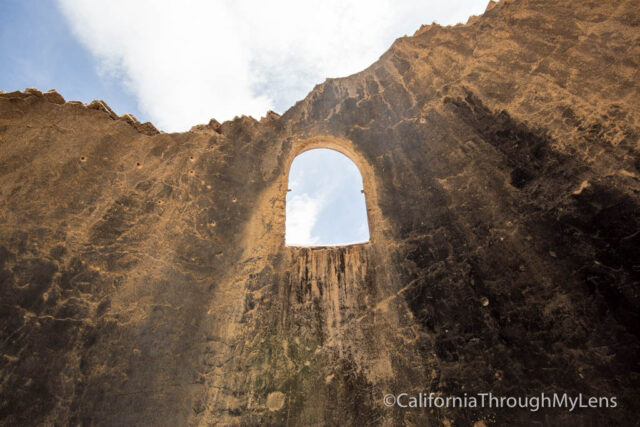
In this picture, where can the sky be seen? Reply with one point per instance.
(325, 185)
(38, 49)
(181, 63)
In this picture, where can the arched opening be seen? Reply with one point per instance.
(325, 204)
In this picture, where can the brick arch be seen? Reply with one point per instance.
(346, 148)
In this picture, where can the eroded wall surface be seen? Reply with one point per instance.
(144, 278)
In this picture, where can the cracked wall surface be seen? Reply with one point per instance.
(144, 278)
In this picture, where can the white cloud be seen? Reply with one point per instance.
(192, 60)
(301, 216)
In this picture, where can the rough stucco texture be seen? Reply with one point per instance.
(144, 278)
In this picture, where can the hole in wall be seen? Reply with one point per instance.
(325, 204)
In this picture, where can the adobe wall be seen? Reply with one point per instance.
(144, 277)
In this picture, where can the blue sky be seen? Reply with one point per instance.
(37, 49)
(325, 185)
(181, 63)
